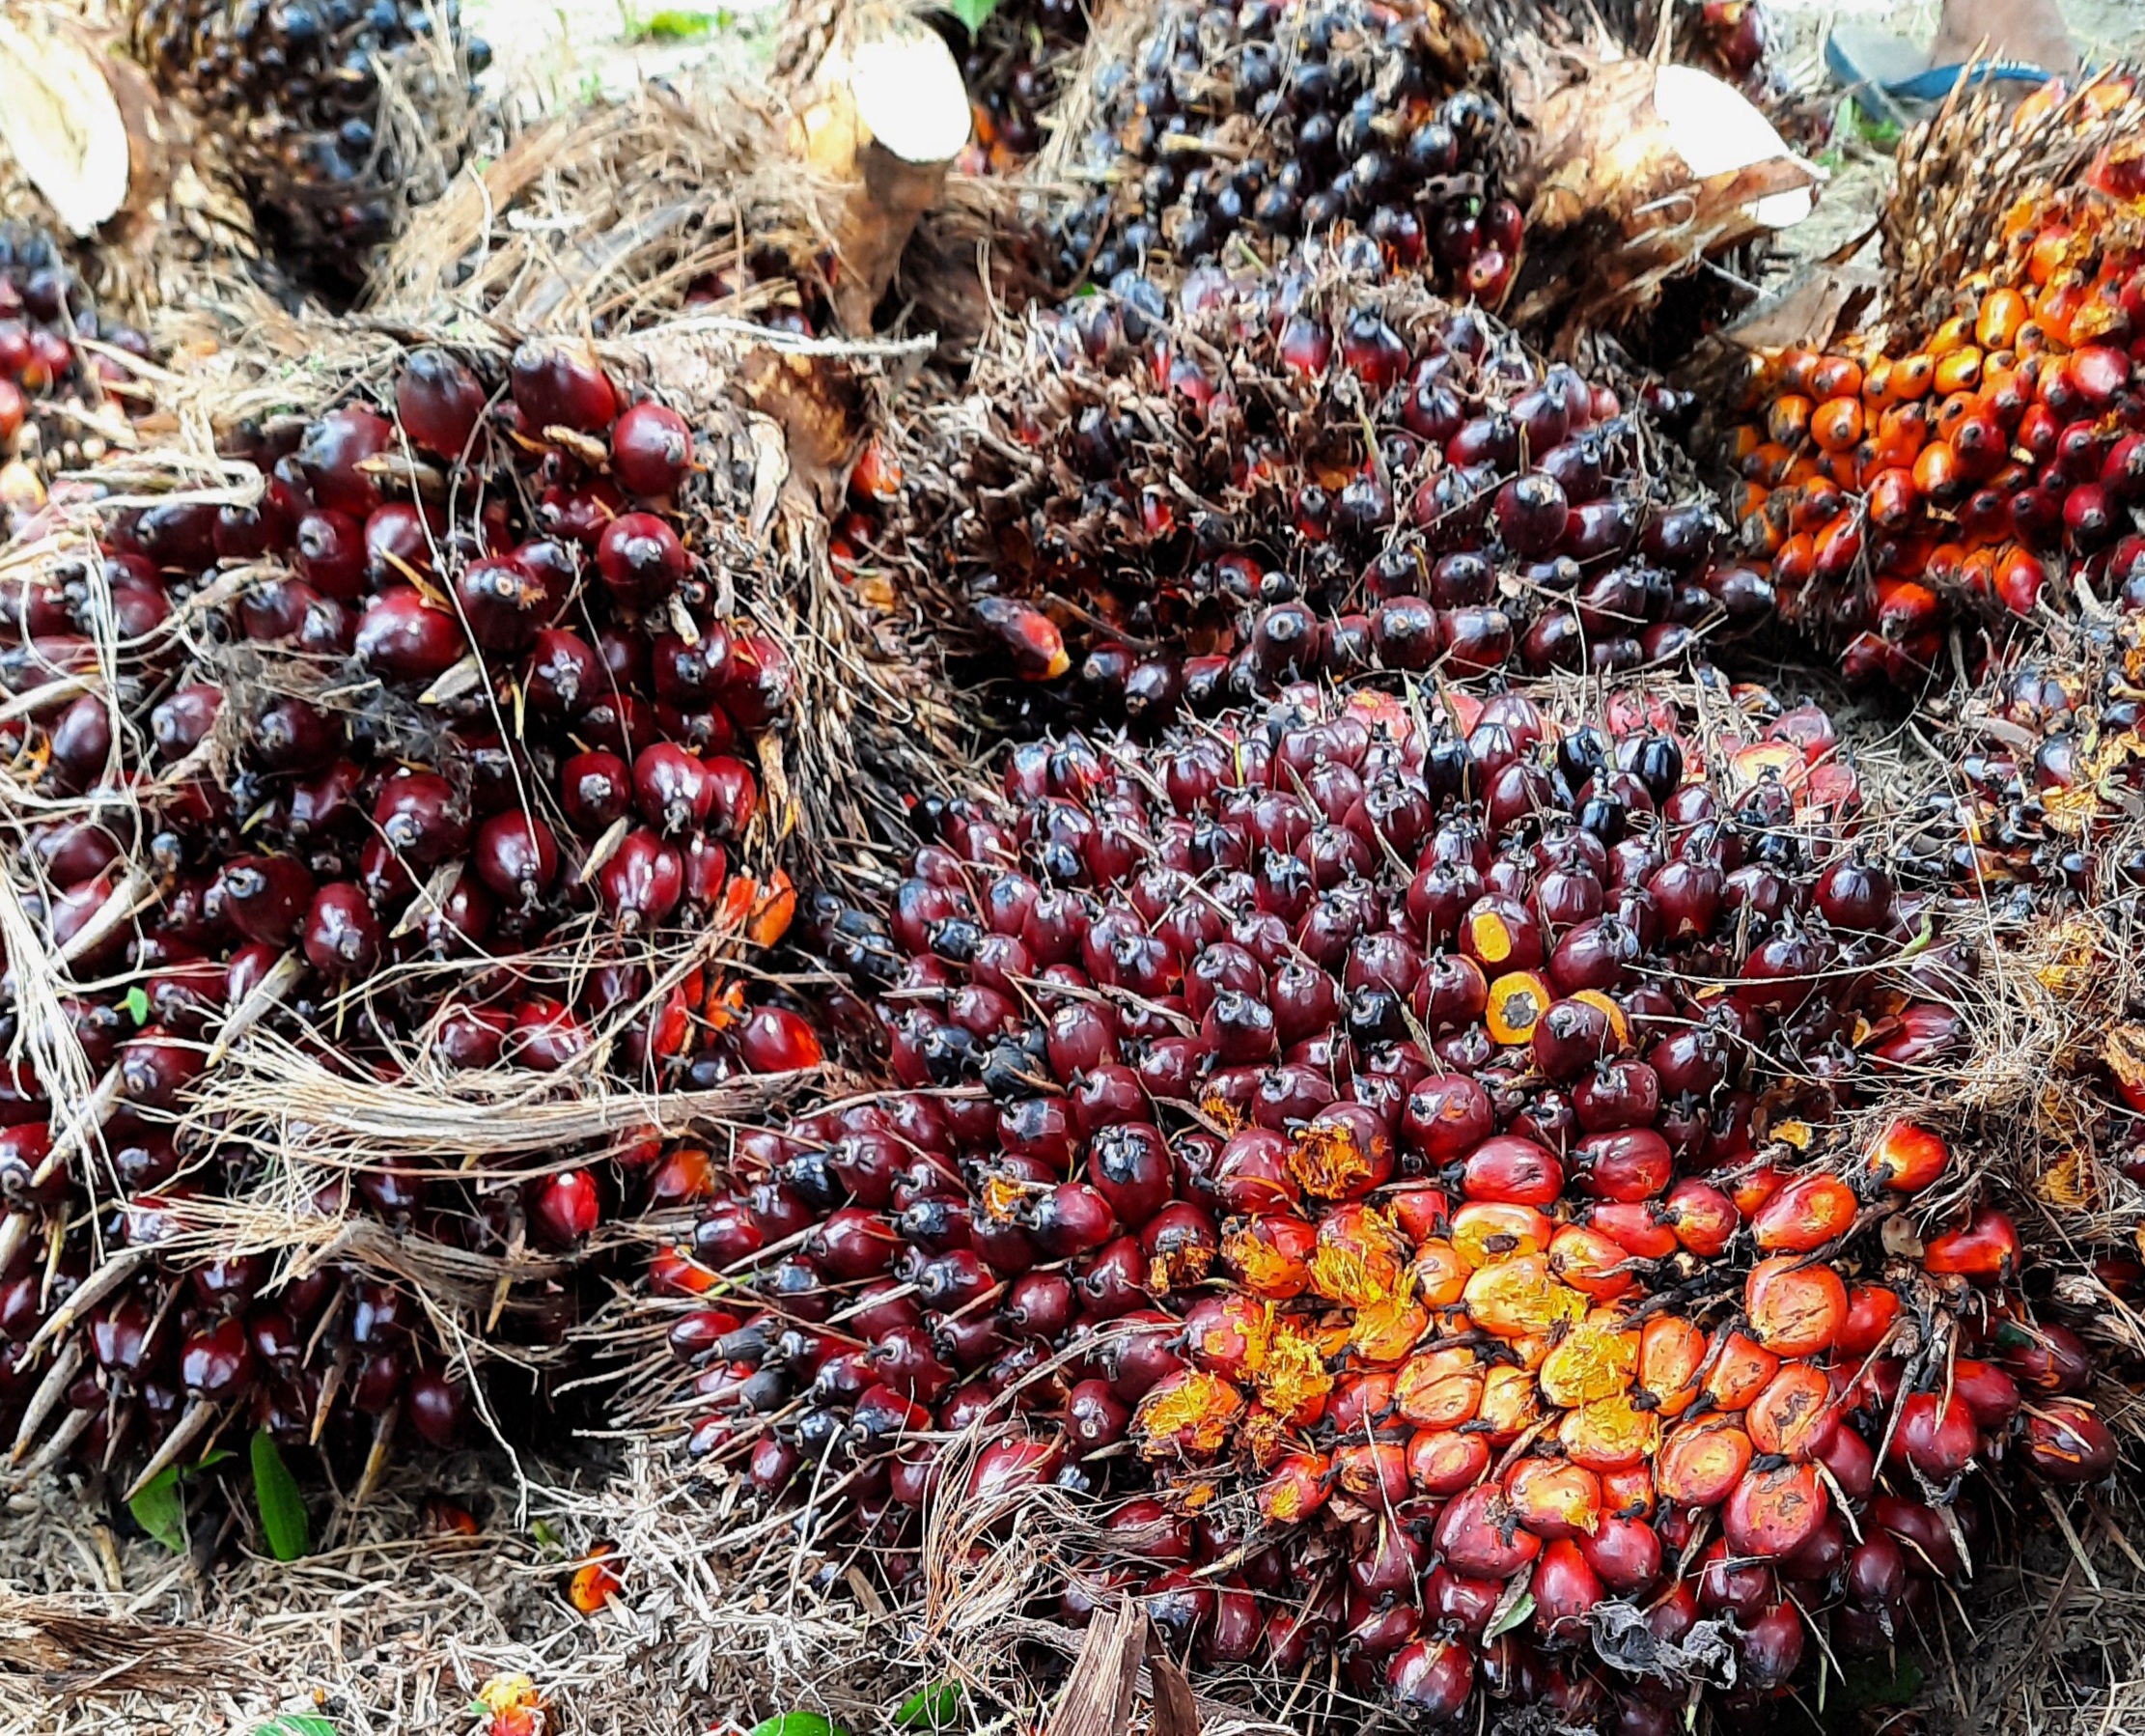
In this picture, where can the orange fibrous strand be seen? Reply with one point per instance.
(1190, 1416)
(1327, 1162)
(1293, 1380)
(1363, 1271)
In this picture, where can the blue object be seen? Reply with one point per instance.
(1896, 72)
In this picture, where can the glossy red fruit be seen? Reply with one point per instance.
(557, 384)
(2066, 1442)
(341, 936)
(642, 880)
(516, 857)
(776, 1040)
(652, 449)
(641, 560)
(439, 402)
(1432, 1678)
(566, 1207)
(218, 1362)
(402, 638)
(439, 1407)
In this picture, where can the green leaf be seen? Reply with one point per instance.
(798, 1723)
(546, 1536)
(672, 25)
(159, 1511)
(1514, 1613)
(932, 1708)
(297, 1724)
(275, 1492)
(136, 1004)
(975, 14)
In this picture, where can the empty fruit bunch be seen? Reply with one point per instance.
(1961, 473)
(1375, 1158)
(406, 799)
(1233, 131)
(1151, 499)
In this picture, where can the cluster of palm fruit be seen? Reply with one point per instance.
(51, 390)
(1986, 470)
(435, 762)
(1287, 475)
(1013, 63)
(1227, 128)
(292, 88)
(1371, 1150)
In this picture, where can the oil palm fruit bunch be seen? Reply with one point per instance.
(1198, 497)
(1367, 1154)
(1899, 490)
(1013, 63)
(48, 387)
(445, 786)
(293, 91)
(1225, 130)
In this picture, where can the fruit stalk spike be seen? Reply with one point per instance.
(47, 1398)
(200, 1413)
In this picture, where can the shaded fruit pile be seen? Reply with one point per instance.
(1980, 473)
(1229, 130)
(293, 93)
(430, 773)
(55, 397)
(1365, 1150)
(1015, 64)
(1281, 476)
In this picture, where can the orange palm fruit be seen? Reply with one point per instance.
(1773, 1512)
(1297, 1487)
(1553, 1497)
(1441, 1463)
(1737, 1368)
(1792, 1416)
(1609, 1435)
(1440, 1273)
(1636, 1226)
(1836, 424)
(1996, 322)
(1805, 1215)
(1519, 1296)
(1510, 1405)
(1871, 1311)
(1794, 1309)
(1270, 1254)
(1484, 1231)
(1588, 1260)
(1906, 1158)
(1985, 1249)
(1439, 1388)
(1701, 1462)
(1671, 1352)
(1597, 1358)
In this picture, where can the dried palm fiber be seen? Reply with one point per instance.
(318, 1112)
(1135, 504)
(434, 1593)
